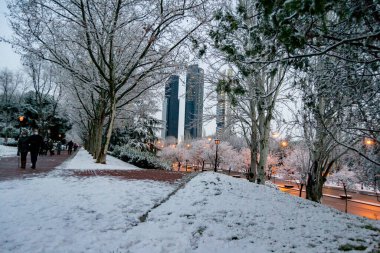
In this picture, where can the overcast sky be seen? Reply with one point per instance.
(8, 58)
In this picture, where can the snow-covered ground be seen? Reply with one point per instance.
(212, 213)
(83, 161)
(6, 151)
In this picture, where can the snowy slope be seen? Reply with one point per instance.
(212, 213)
(217, 213)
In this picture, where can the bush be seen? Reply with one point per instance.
(139, 158)
(11, 142)
(9, 132)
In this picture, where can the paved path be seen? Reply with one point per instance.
(9, 170)
(9, 166)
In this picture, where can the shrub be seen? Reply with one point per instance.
(139, 158)
(10, 142)
(9, 132)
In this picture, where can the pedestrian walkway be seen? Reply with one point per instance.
(9, 169)
(9, 166)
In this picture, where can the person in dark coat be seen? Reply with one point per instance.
(70, 145)
(59, 147)
(23, 147)
(35, 143)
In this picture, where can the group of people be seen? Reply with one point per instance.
(37, 146)
(56, 147)
(30, 143)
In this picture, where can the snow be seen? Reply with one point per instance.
(59, 212)
(223, 214)
(83, 161)
(6, 151)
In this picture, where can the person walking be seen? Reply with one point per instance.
(75, 147)
(35, 142)
(70, 145)
(59, 147)
(23, 147)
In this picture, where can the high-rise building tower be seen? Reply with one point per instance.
(170, 112)
(194, 102)
(223, 112)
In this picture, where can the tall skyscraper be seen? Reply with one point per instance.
(194, 102)
(223, 111)
(170, 112)
(223, 114)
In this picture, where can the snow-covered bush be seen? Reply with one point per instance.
(9, 132)
(139, 158)
(10, 142)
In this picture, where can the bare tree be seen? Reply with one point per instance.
(123, 43)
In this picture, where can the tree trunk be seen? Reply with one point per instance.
(97, 138)
(104, 148)
(300, 195)
(346, 197)
(252, 173)
(315, 183)
(264, 150)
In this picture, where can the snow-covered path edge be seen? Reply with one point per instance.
(84, 161)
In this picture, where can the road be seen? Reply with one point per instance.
(362, 205)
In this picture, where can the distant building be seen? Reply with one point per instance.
(170, 112)
(194, 102)
(223, 113)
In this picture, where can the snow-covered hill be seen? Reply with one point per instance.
(212, 213)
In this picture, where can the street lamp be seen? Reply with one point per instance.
(284, 143)
(369, 141)
(217, 142)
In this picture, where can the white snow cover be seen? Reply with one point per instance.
(6, 151)
(212, 213)
(218, 213)
(83, 161)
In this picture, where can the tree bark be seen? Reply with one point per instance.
(315, 183)
(300, 194)
(104, 147)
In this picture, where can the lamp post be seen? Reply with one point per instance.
(217, 142)
(368, 143)
(21, 120)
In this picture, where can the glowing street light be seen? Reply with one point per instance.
(369, 141)
(284, 143)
